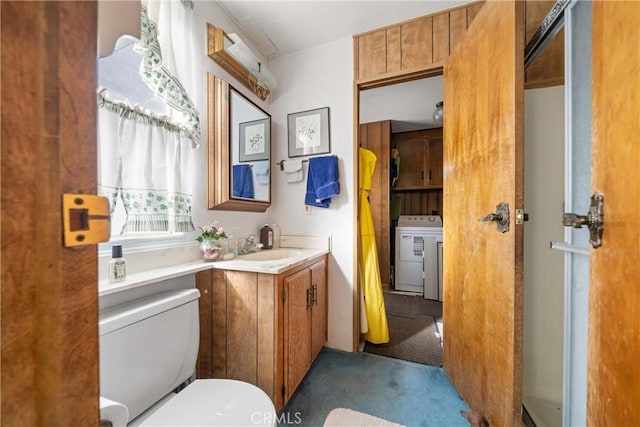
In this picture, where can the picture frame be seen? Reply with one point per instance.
(254, 140)
(309, 132)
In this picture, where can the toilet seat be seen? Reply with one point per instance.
(215, 402)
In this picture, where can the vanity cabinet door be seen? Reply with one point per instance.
(297, 328)
(318, 308)
(238, 328)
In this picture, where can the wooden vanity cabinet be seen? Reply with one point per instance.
(262, 328)
(305, 319)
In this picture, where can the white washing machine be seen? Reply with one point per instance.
(418, 263)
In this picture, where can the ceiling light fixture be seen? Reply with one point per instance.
(438, 112)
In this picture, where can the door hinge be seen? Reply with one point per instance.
(284, 295)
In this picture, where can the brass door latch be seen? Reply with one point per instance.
(86, 219)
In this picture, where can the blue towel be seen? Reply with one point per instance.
(322, 181)
(242, 181)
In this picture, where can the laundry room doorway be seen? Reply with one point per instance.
(397, 124)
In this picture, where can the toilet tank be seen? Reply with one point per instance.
(148, 347)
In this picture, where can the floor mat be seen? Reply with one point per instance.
(344, 417)
(416, 340)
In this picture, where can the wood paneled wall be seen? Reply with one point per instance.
(411, 45)
(424, 202)
(419, 47)
(376, 137)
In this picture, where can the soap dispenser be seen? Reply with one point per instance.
(266, 236)
(276, 236)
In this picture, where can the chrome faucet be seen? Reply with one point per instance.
(250, 245)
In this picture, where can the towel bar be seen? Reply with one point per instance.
(281, 163)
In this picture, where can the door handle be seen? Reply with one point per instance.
(500, 217)
(309, 298)
(314, 294)
(594, 220)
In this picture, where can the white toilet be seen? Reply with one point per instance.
(148, 348)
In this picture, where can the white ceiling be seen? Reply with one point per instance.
(279, 28)
(408, 105)
(282, 27)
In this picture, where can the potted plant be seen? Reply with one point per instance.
(210, 247)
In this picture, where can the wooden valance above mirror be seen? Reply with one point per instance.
(216, 50)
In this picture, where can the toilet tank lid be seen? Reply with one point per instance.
(134, 311)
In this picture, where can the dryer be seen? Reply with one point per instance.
(418, 263)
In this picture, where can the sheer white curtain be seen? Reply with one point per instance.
(142, 167)
(147, 160)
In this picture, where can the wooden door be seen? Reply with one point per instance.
(483, 164)
(49, 292)
(614, 294)
(297, 329)
(319, 309)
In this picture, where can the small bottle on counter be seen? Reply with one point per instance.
(117, 265)
(276, 236)
(266, 236)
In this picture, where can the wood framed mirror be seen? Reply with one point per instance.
(238, 150)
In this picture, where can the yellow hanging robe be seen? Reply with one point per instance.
(369, 269)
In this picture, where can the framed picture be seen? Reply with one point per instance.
(309, 132)
(254, 140)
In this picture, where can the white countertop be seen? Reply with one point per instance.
(299, 256)
(271, 266)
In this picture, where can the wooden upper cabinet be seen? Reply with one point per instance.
(457, 26)
(419, 44)
(440, 37)
(420, 159)
(372, 54)
(472, 11)
(422, 44)
(416, 43)
(394, 49)
(434, 162)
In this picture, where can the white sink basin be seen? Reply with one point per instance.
(270, 255)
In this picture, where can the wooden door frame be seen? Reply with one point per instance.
(49, 293)
(358, 86)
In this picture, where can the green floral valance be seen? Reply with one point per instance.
(139, 114)
(164, 84)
